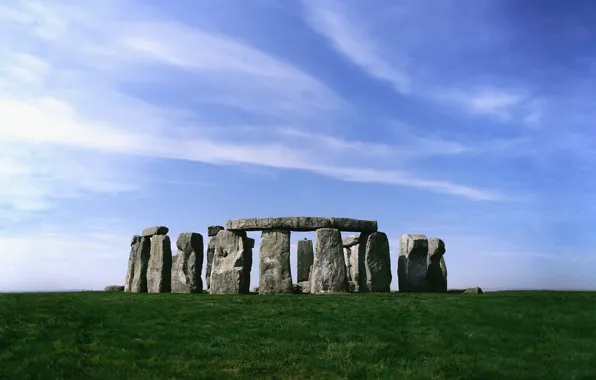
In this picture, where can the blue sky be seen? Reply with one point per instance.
(471, 121)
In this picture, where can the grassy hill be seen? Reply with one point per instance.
(97, 335)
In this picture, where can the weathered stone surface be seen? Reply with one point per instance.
(412, 263)
(213, 230)
(474, 290)
(138, 262)
(159, 272)
(303, 287)
(114, 288)
(306, 258)
(209, 266)
(351, 240)
(329, 268)
(354, 257)
(377, 263)
(275, 274)
(232, 262)
(436, 275)
(130, 271)
(157, 230)
(301, 223)
(188, 263)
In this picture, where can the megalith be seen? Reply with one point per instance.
(138, 262)
(329, 267)
(188, 263)
(306, 258)
(232, 262)
(354, 256)
(211, 233)
(156, 230)
(377, 263)
(275, 274)
(421, 267)
(436, 275)
(159, 272)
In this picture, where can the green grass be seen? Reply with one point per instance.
(97, 335)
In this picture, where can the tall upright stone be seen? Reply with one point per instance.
(188, 263)
(130, 271)
(329, 268)
(436, 275)
(354, 256)
(232, 262)
(136, 277)
(211, 233)
(421, 267)
(275, 274)
(159, 272)
(306, 258)
(377, 263)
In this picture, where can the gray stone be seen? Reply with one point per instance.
(114, 288)
(157, 230)
(232, 262)
(188, 263)
(329, 268)
(130, 271)
(303, 287)
(412, 263)
(306, 258)
(210, 253)
(275, 272)
(138, 262)
(250, 243)
(436, 275)
(474, 290)
(159, 272)
(213, 230)
(351, 240)
(354, 257)
(377, 263)
(301, 223)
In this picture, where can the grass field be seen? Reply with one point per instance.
(97, 335)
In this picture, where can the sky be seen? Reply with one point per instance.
(471, 121)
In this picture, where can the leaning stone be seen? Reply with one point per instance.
(188, 263)
(137, 281)
(306, 258)
(157, 230)
(351, 240)
(329, 268)
(213, 230)
(114, 288)
(412, 263)
(436, 275)
(130, 271)
(378, 263)
(275, 272)
(474, 290)
(232, 262)
(159, 272)
(301, 223)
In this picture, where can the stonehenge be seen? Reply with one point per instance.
(188, 264)
(356, 263)
(421, 266)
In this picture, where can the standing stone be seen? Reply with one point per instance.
(232, 262)
(355, 254)
(130, 271)
(137, 281)
(159, 272)
(436, 275)
(377, 263)
(412, 263)
(275, 272)
(306, 258)
(213, 230)
(329, 268)
(212, 233)
(188, 263)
